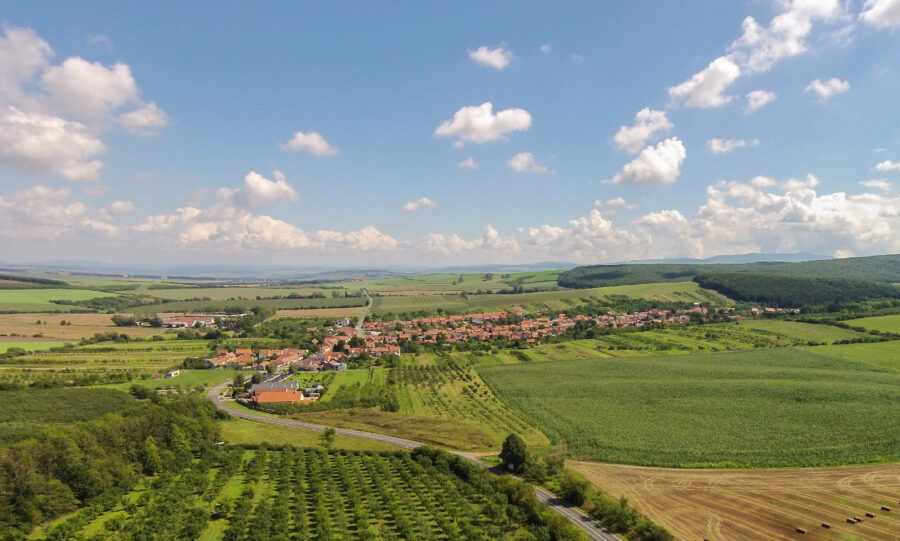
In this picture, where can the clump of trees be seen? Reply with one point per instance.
(63, 468)
(794, 291)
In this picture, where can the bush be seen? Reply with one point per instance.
(573, 488)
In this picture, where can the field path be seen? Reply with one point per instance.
(362, 317)
(576, 516)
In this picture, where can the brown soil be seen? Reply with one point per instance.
(759, 504)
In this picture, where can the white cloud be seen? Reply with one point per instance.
(882, 184)
(524, 162)
(478, 124)
(468, 163)
(89, 89)
(145, 120)
(43, 213)
(546, 48)
(57, 131)
(759, 48)
(828, 89)
(724, 146)
(647, 123)
(121, 207)
(310, 142)
(659, 164)
(259, 191)
(887, 165)
(611, 205)
(413, 206)
(881, 13)
(757, 99)
(706, 89)
(498, 58)
(491, 245)
(762, 182)
(43, 144)
(22, 54)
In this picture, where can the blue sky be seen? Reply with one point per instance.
(160, 134)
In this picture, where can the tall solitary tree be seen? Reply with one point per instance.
(514, 453)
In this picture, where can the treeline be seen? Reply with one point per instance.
(29, 282)
(885, 268)
(789, 291)
(107, 304)
(64, 468)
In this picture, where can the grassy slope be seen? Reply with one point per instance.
(38, 300)
(28, 345)
(772, 407)
(802, 331)
(241, 431)
(879, 323)
(883, 355)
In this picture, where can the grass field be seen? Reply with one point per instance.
(228, 293)
(307, 494)
(744, 505)
(238, 431)
(879, 323)
(185, 380)
(809, 332)
(884, 355)
(774, 407)
(277, 304)
(553, 300)
(38, 300)
(28, 345)
(24, 412)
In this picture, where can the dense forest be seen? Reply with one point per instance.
(884, 268)
(66, 467)
(790, 291)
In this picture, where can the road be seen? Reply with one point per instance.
(576, 516)
(362, 317)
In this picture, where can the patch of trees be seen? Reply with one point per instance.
(15, 281)
(790, 291)
(884, 268)
(64, 468)
(107, 304)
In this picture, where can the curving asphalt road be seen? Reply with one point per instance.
(576, 516)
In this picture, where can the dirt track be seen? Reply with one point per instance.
(759, 504)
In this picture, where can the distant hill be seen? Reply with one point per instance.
(787, 284)
(736, 258)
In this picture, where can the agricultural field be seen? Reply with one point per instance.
(809, 332)
(277, 304)
(746, 505)
(884, 355)
(24, 412)
(28, 345)
(778, 407)
(321, 312)
(239, 293)
(450, 388)
(551, 300)
(38, 300)
(76, 327)
(186, 380)
(879, 323)
(237, 431)
(101, 361)
(450, 283)
(304, 494)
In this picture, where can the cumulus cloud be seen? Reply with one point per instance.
(611, 205)
(45, 144)
(828, 89)
(413, 206)
(478, 124)
(52, 115)
(145, 120)
(759, 48)
(654, 165)
(882, 184)
(468, 163)
(491, 245)
(524, 162)
(259, 191)
(498, 58)
(311, 143)
(881, 13)
(647, 123)
(44, 213)
(757, 99)
(121, 207)
(724, 146)
(706, 89)
(887, 165)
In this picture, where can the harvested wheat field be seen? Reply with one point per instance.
(321, 312)
(80, 326)
(759, 504)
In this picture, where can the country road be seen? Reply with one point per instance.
(362, 317)
(574, 515)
